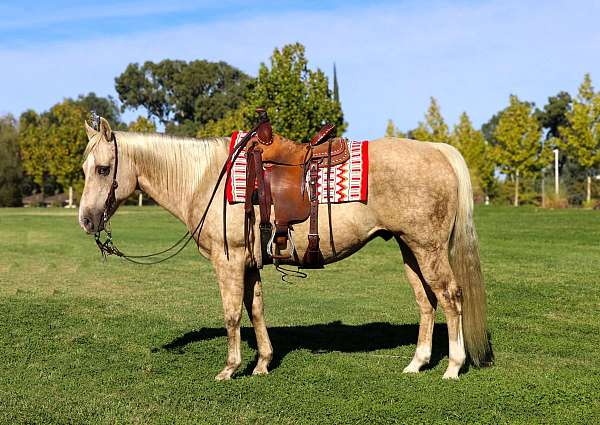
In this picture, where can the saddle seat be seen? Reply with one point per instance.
(287, 164)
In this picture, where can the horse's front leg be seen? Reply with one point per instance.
(230, 274)
(253, 299)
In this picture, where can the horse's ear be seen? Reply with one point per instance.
(105, 129)
(90, 131)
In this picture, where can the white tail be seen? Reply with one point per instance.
(464, 260)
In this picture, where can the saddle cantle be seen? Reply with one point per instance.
(285, 174)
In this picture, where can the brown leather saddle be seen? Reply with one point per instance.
(277, 173)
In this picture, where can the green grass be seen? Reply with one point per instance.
(83, 340)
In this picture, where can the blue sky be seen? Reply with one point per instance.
(391, 56)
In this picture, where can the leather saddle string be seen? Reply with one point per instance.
(188, 236)
(331, 242)
(248, 207)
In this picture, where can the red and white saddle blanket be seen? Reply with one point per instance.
(348, 181)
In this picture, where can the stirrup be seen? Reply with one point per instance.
(290, 248)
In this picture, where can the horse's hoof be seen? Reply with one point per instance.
(411, 368)
(450, 375)
(260, 371)
(224, 375)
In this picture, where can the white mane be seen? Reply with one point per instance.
(177, 164)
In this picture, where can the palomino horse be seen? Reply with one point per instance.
(419, 193)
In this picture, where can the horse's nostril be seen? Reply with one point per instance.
(87, 223)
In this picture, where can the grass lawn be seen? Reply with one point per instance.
(83, 341)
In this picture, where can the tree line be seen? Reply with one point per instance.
(42, 152)
(518, 142)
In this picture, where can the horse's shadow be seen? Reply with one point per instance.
(326, 338)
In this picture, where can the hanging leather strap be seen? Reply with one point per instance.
(255, 179)
(313, 258)
(331, 242)
(264, 192)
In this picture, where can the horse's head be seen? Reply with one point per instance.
(102, 155)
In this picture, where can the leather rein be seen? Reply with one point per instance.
(108, 247)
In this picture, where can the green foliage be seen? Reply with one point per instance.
(52, 143)
(392, 131)
(581, 137)
(11, 174)
(476, 151)
(297, 99)
(529, 191)
(182, 95)
(434, 129)
(518, 135)
(554, 114)
(489, 128)
(33, 147)
(86, 341)
(232, 121)
(142, 125)
(105, 107)
(421, 133)
(519, 151)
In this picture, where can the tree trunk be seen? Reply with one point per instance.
(140, 200)
(516, 200)
(589, 189)
(70, 205)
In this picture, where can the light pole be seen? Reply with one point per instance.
(555, 171)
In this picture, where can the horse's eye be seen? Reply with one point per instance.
(103, 170)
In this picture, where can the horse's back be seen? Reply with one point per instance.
(412, 186)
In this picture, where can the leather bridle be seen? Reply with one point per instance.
(108, 247)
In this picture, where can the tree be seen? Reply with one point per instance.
(489, 128)
(434, 129)
(475, 150)
(392, 131)
(105, 107)
(421, 133)
(336, 89)
(298, 100)
(554, 114)
(182, 95)
(33, 147)
(582, 135)
(11, 173)
(142, 125)
(52, 144)
(518, 150)
(237, 119)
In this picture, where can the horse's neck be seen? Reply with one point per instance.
(182, 174)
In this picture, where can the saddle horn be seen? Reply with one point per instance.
(264, 133)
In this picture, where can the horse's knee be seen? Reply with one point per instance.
(232, 320)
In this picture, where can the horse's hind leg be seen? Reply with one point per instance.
(436, 270)
(427, 304)
(254, 306)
